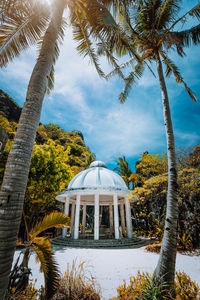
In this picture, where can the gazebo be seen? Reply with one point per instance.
(97, 186)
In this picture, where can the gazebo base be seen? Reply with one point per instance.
(124, 243)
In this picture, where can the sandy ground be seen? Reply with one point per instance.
(111, 267)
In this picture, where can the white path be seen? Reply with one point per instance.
(111, 267)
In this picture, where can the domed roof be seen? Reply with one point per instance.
(97, 177)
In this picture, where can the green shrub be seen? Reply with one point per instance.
(145, 287)
(186, 288)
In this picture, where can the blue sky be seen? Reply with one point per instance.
(82, 101)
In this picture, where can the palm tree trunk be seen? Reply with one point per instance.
(165, 269)
(18, 163)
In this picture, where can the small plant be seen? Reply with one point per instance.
(186, 289)
(153, 247)
(77, 285)
(158, 231)
(29, 293)
(153, 289)
(146, 287)
(184, 242)
(134, 289)
(19, 277)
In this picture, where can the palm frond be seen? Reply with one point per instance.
(187, 37)
(122, 66)
(51, 79)
(55, 219)
(43, 243)
(130, 80)
(80, 31)
(150, 69)
(172, 68)
(50, 269)
(194, 12)
(21, 27)
(106, 31)
(167, 13)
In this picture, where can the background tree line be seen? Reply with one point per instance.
(149, 184)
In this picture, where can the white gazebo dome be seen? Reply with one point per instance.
(97, 177)
(97, 186)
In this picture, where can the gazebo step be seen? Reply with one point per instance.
(112, 243)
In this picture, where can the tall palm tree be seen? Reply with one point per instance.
(19, 28)
(151, 30)
(124, 170)
(17, 167)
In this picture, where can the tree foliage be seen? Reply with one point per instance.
(124, 170)
(151, 164)
(49, 174)
(150, 209)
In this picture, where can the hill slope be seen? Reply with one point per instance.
(79, 154)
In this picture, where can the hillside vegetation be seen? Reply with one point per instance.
(57, 156)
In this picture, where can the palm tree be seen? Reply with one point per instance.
(18, 163)
(89, 20)
(124, 170)
(42, 247)
(151, 30)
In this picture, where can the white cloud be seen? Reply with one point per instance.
(123, 131)
(188, 139)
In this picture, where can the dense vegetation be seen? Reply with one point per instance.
(57, 156)
(144, 286)
(149, 184)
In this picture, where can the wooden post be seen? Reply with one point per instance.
(122, 218)
(83, 219)
(111, 218)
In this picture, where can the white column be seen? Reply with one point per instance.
(96, 217)
(116, 216)
(77, 214)
(128, 218)
(66, 212)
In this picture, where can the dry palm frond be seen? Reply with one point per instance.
(55, 219)
(22, 24)
(49, 268)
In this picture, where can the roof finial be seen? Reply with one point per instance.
(98, 163)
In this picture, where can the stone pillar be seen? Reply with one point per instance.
(77, 214)
(111, 218)
(72, 217)
(128, 218)
(96, 217)
(66, 212)
(122, 218)
(83, 219)
(116, 216)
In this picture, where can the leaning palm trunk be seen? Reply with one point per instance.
(17, 167)
(166, 265)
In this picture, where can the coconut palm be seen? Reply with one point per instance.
(42, 247)
(18, 163)
(151, 30)
(89, 20)
(124, 170)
